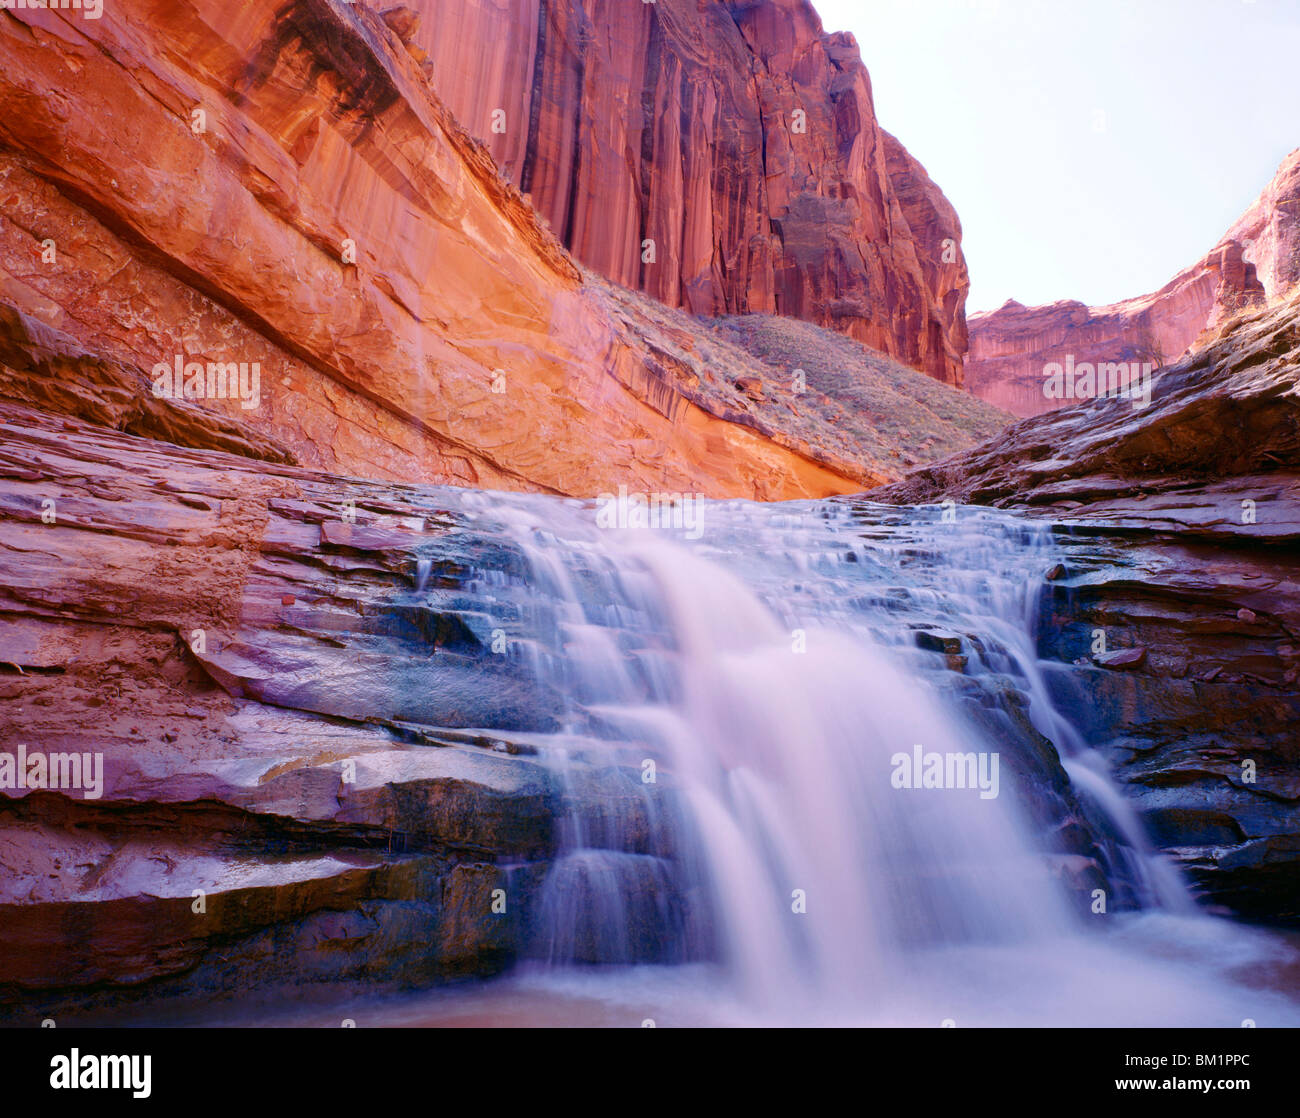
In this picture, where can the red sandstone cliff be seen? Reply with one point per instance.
(284, 188)
(1257, 260)
(738, 137)
(1270, 230)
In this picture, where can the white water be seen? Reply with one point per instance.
(772, 871)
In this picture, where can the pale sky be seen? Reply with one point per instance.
(1092, 148)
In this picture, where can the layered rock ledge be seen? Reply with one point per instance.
(1176, 616)
(310, 772)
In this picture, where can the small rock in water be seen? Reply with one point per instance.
(1123, 658)
(938, 641)
(1056, 572)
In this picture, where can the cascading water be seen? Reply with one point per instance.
(740, 712)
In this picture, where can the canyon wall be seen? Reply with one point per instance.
(1270, 230)
(284, 190)
(1257, 260)
(738, 138)
(281, 188)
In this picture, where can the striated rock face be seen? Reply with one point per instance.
(737, 137)
(1180, 524)
(314, 770)
(1270, 230)
(284, 191)
(1258, 260)
(936, 233)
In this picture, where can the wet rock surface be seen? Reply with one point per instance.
(1174, 621)
(328, 738)
(311, 771)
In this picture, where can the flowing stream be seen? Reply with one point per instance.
(747, 834)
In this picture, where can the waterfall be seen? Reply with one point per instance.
(744, 715)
